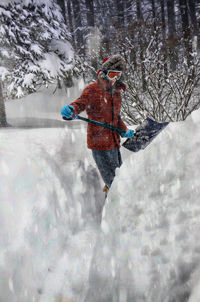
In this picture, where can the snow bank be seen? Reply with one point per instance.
(150, 230)
(47, 214)
(50, 201)
(46, 103)
(50, 197)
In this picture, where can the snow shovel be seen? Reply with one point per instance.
(143, 136)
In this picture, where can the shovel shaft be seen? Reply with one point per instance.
(120, 131)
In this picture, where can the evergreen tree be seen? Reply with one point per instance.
(34, 45)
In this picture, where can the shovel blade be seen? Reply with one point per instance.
(145, 133)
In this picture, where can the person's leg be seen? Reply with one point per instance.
(107, 161)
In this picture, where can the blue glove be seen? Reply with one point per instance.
(129, 133)
(68, 111)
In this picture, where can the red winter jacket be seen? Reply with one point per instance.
(103, 106)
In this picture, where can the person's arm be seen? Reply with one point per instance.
(121, 124)
(129, 132)
(77, 106)
(81, 103)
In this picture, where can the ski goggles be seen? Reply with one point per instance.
(114, 74)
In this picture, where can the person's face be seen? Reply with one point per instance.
(108, 83)
(112, 82)
(113, 76)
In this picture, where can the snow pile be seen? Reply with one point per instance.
(44, 104)
(47, 218)
(50, 202)
(150, 230)
(49, 211)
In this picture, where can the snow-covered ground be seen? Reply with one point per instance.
(51, 244)
(150, 231)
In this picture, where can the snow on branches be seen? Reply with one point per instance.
(35, 45)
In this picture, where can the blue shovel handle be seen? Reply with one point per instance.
(113, 128)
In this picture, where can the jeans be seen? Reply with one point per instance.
(107, 161)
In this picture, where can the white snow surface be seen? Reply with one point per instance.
(3, 72)
(52, 247)
(152, 219)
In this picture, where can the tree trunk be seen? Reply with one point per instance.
(90, 12)
(141, 44)
(92, 35)
(139, 11)
(186, 30)
(120, 12)
(171, 17)
(3, 122)
(172, 34)
(162, 6)
(192, 10)
(153, 14)
(69, 12)
(61, 3)
(129, 13)
(193, 15)
(80, 47)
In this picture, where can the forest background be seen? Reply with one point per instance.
(57, 41)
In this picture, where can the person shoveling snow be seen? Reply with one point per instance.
(102, 102)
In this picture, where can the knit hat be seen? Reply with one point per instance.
(115, 62)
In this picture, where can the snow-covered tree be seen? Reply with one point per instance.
(166, 97)
(34, 45)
